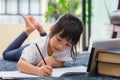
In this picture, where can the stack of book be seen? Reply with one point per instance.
(104, 57)
(109, 62)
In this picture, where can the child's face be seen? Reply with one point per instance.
(59, 44)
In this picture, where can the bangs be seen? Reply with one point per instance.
(70, 34)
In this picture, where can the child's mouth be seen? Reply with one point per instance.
(57, 50)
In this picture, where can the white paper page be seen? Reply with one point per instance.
(57, 72)
(14, 74)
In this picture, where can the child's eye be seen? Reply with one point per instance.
(59, 39)
(68, 45)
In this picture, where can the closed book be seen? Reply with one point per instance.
(112, 56)
(111, 69)
(109, 62)
(99, 45)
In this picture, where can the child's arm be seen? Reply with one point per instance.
(51, 61)
(26, 67)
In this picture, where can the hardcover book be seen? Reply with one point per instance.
(109, 62)
(97, 46)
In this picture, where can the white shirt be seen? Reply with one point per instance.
(32, 55)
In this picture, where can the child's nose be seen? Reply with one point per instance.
(60, 46)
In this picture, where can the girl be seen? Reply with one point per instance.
(14, 50)
(57, 47)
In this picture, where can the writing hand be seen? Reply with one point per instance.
(45, 70)
(49, 60)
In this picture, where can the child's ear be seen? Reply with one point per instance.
(52, 28)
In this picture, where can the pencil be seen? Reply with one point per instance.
(40, 54)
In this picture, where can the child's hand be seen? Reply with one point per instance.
(45, 70)
(49, 60)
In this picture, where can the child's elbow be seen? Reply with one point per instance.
(18, 66)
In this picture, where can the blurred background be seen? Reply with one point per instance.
(93, 13)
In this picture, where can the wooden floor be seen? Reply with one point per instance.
(8, 32)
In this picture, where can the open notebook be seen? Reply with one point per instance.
(57, 72)
(100, 45)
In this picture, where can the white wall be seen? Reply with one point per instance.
(101, 27)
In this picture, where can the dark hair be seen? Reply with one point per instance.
(72, 29)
